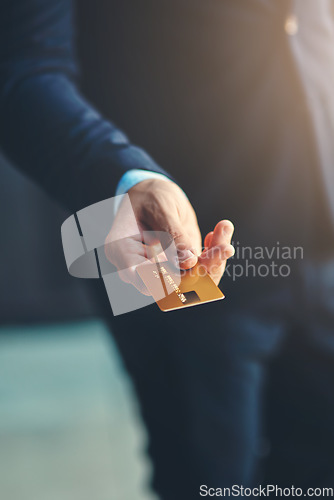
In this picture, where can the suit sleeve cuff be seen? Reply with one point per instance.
(133, 177)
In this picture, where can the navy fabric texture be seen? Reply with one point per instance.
(47, 128)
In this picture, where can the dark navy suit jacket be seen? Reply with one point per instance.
(46, 126)
(228, 98)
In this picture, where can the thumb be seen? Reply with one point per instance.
(169, 211)
(186, 253)
(182, 253)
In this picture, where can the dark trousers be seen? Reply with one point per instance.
(240, 391)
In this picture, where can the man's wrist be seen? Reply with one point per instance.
(133, 177)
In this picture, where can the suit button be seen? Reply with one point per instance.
(291, 25)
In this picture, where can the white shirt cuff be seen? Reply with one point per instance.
(133, 177)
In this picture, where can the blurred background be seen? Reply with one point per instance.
(69, 422)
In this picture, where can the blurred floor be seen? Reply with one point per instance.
(69, 426)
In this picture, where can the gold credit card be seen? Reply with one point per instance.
(173, 289)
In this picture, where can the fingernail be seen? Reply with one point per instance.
(185, 255)
(228, 229)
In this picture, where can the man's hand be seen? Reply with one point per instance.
(160, 205)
